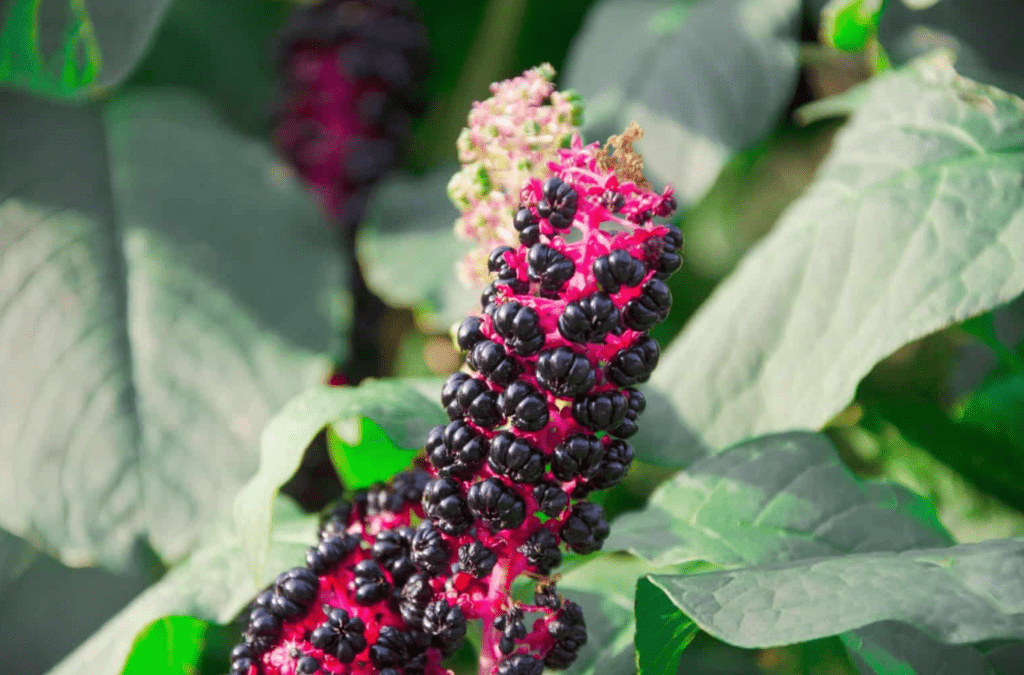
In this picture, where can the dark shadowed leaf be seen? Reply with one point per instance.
(69, 49)
(959, 594)
(777, 498)
(400, 412)
(704, 78)
(915, 222)
(164, 289)
(893, 648)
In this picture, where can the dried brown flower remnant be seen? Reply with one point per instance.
(619, 155)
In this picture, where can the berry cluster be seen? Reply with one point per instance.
(539, 422)
(350, 71)
(510, 138)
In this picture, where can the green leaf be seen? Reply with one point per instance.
(369, 457)
(212, 584)
(66, 49)
(165, 288)
(913, 224)
(995, 408)
(893, 648)
(705, 79)
(662, 631)
(403, 415)
(772, 499)
(605, 588)
(408, 250)
(958, 594)
(175, 645)
(849, 24)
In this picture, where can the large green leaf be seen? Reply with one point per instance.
(164, 289)
(893, 648)
(958, 594)
(213, 584)
(773, 499)
(914, 222)
(408, 250)
(67, 48)
(402, 413)
(704, 78)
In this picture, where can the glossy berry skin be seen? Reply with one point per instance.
(549, 266)
(520, 664)
(524, 406)
(492, 361)
(445, 624)
(585, 529)
(589, 319)
(446, 507)
(495, 504)
(456, 449)
(516, 458)
(429, 550)
(542, 551)
(635, 363)
(477, 559)
(618, 269)
(565, 373)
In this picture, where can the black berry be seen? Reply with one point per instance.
(414, 598)
(307, 665)
(541, 551)
(635, 363)
(519, 326)
(496, 504)
(549, 266)
(601, 411)
(589, 319)
(520, 664)
(516, 458)
(477, 559)
(551, 499)
(526, 225)
(446, 624)
(636, 403)
(293, 591)
(578, 456)
(564, 373)
(444, 504)
(449, 392)
(469, 333)
(325, 556)
(651, 307)
(559, 203)
(524, 406)
(493, 362)
(391, 549)
(499, 265)
(618, 269)
(429, 550)
(368, 583)
(570, 633)
(456, 449)
(340, 635)
(585, 529)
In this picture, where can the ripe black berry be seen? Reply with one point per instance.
(516, 458)
(520, 664)
(499, 265)
(444, 504)
(477, 559)
(541, 551)
(570, 633)
(651, 307)
(635, 363)
(409, 485)
(586, 529)
(456, 449)
(448, 394)
(635, 406)
(564, 373)
(263, 624)
(510, 623)
(394, 647)
(446, 624)
(519, 326)
(612, 200)
(618, 269)
(368, 583)
(618, 456)
(578, 456)
(307, 665)
(589, 319)
(380, 498)
(414, 598)
(669, 259)
(293, 591)
(493, 362)
(526, 225)
(559, 203)
(242, 658)
(496, 504)
(551, 499)
(549, 266)
(328, 553)
(337, 522)
(469, 333)
(340, 635)
(524, 406)
(601, 411)
(429, 550)
(490, 294)
(391, 549)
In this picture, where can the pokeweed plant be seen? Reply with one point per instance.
(536, 425)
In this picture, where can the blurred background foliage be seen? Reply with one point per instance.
(913, 414)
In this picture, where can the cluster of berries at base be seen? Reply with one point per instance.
(350, 72)
(540, 423)
(509, 139)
